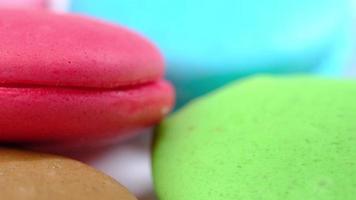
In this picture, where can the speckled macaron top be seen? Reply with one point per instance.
(41, 48)
(272, 138)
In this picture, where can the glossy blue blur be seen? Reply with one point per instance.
(209, 43)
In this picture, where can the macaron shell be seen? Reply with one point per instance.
(36, 176)
(43, 48)
(269, 138)
(61, 114)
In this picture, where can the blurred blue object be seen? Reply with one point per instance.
(209, 43)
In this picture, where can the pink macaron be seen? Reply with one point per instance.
(69, 78)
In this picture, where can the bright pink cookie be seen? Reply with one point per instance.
(67, 77)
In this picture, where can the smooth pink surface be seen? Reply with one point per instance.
(62, 114)
(23, 3)
(41, 48)
(66, 78)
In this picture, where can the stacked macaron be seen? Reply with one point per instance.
(66, 77)
(71, 79)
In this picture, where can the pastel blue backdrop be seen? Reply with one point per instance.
(208, 43)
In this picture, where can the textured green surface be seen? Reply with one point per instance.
(263, 138)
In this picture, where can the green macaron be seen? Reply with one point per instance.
(264, 138)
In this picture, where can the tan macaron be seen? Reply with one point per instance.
(27, 175)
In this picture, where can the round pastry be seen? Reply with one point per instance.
(37, 176)
(267, 138)
(209, 43)
(67, 77)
